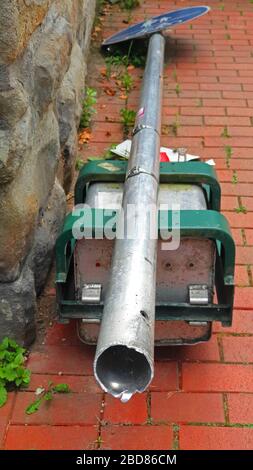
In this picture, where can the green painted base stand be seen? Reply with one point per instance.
(206, 224)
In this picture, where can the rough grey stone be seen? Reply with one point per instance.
(69, 159)
(51, 62)
(48, 229)
(21, 200)
(70, 95)
(13, 104)
(8, 29)
(4, 78)
(46, 153)
(18, 20)
(43, 51)
(15, 142)
(18, 307)
(87, 14)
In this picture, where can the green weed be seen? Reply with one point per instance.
(234, 177)
(127, 82)
(46, 394)
(178, 89)
(127, 119)
(225, 133)
(229, 153)
(129, 4)
(241, 210)
(12, 369)
(88, 107)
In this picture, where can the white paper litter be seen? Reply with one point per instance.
(174, 157)
(210, 162)
(123, 150)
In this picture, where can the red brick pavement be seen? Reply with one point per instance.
(201, 397)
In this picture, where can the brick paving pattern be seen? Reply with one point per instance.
(201, 397)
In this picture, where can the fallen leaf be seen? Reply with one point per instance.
(130, 67)
(103, 72)
(109, 91)
(84, 136)
(123, 97)
(69, 196)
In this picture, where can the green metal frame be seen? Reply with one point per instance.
(115, 171)
(198, 224)
(207, 224)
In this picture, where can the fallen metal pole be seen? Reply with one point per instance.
(125, 351)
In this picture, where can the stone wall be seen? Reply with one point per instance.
(43, 52)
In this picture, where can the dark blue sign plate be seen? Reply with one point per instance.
(156, 24)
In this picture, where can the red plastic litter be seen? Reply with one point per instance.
(164, 157)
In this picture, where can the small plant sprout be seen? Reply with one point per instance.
(225, 133)
(229, 153)
(129, 4)
(149, 421)
(127, 82)
(235, 177)
(88, 107)
(108, 67)
(138, 60)
(127, 119)
(99, 441)
(12, 370)
(135, 56)
(221, 6)
(117, 60)
(46, 394)
(178, 89)
(129, 17)
(241, 209)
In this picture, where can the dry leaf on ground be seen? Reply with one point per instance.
(84, 136)
(109, 91)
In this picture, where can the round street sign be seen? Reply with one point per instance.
(156, 24)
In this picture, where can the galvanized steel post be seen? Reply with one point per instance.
(124, 357)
